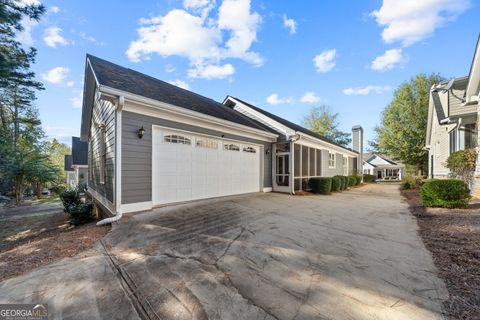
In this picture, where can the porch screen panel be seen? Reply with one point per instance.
(304, 161)
(296, 167)
(319, 162)
(296, 161)
(312, 162)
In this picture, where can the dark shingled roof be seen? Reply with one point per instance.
(125, 79)
(79, 151)
(291, 125)
(67, 162)
(438, 106)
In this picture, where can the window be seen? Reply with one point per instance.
(231, 147)
(331, 160)
(207, 143)
(249, 150)
(453, 141)
(366, 171)
(173, 138)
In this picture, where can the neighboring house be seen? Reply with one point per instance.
(152, 143)
(453, 119)
(382, 167)
(69, 171)
(77, 163)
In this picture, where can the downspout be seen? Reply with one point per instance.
(118, 164)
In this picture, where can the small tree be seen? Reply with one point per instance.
(462, 164)
(321, 121)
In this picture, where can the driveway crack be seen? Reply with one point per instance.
(230, 244)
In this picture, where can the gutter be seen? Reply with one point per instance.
(118, 164)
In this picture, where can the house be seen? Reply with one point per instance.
(151, 143)
(382, 167)
(76, 164)
(69, 171)
(453, 120)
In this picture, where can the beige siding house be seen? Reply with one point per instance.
(453, 120)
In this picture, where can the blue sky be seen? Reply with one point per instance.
(283, 56)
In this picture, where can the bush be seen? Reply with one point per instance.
(448, 193)
(81, 213)
(351, 181)
(345, 182)
(358, 180)
(320, 185)
(337, 183)
(78, 211)
(340, 179)
(70, 197)
(368, 178)
(409, 183)
(462, 164)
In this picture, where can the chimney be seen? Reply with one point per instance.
(357, 145)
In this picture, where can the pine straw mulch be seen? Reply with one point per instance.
(30, 243)
(453, 238)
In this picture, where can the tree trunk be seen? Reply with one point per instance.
(38, 189)
(18, 189)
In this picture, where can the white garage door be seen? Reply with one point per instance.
(187, 166)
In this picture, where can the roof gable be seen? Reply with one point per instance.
(285, 123)
(79, 152)
(117, 77)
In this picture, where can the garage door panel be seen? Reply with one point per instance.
(185, 172)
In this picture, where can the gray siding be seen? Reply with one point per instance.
(103, 114)
(137, 154)
(330, 172)
(352, 165)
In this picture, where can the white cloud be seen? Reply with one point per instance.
(169, 68)
(211, 71)
(25, 36)
(390, 59)
(410, 21)
(325, 61)
(180, 83)
(363, 91)
(62, 134)
(274, 99)
(54, 9)
(86, 37)
(310, 98)
(290, 24)
(56, 75)
(70, 83)
(52, 37)
(198, 37)
(77, 101)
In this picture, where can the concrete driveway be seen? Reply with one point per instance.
(352, 255)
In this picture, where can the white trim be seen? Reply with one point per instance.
(221, 140)
(325, 145)
(118, 154)
(260, 117)
(136, 207)
(269, 189)
(167, 111)
(79, 166)
(105, 203)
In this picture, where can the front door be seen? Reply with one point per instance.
(282, 172)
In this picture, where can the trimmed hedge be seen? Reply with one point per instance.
(448, 193)
(345, 182)
(321, 185)
(358, 180)
(351, 181)
(337, 183)
(368, 178)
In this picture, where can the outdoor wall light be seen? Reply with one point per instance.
(267, 151)
(141, 132)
